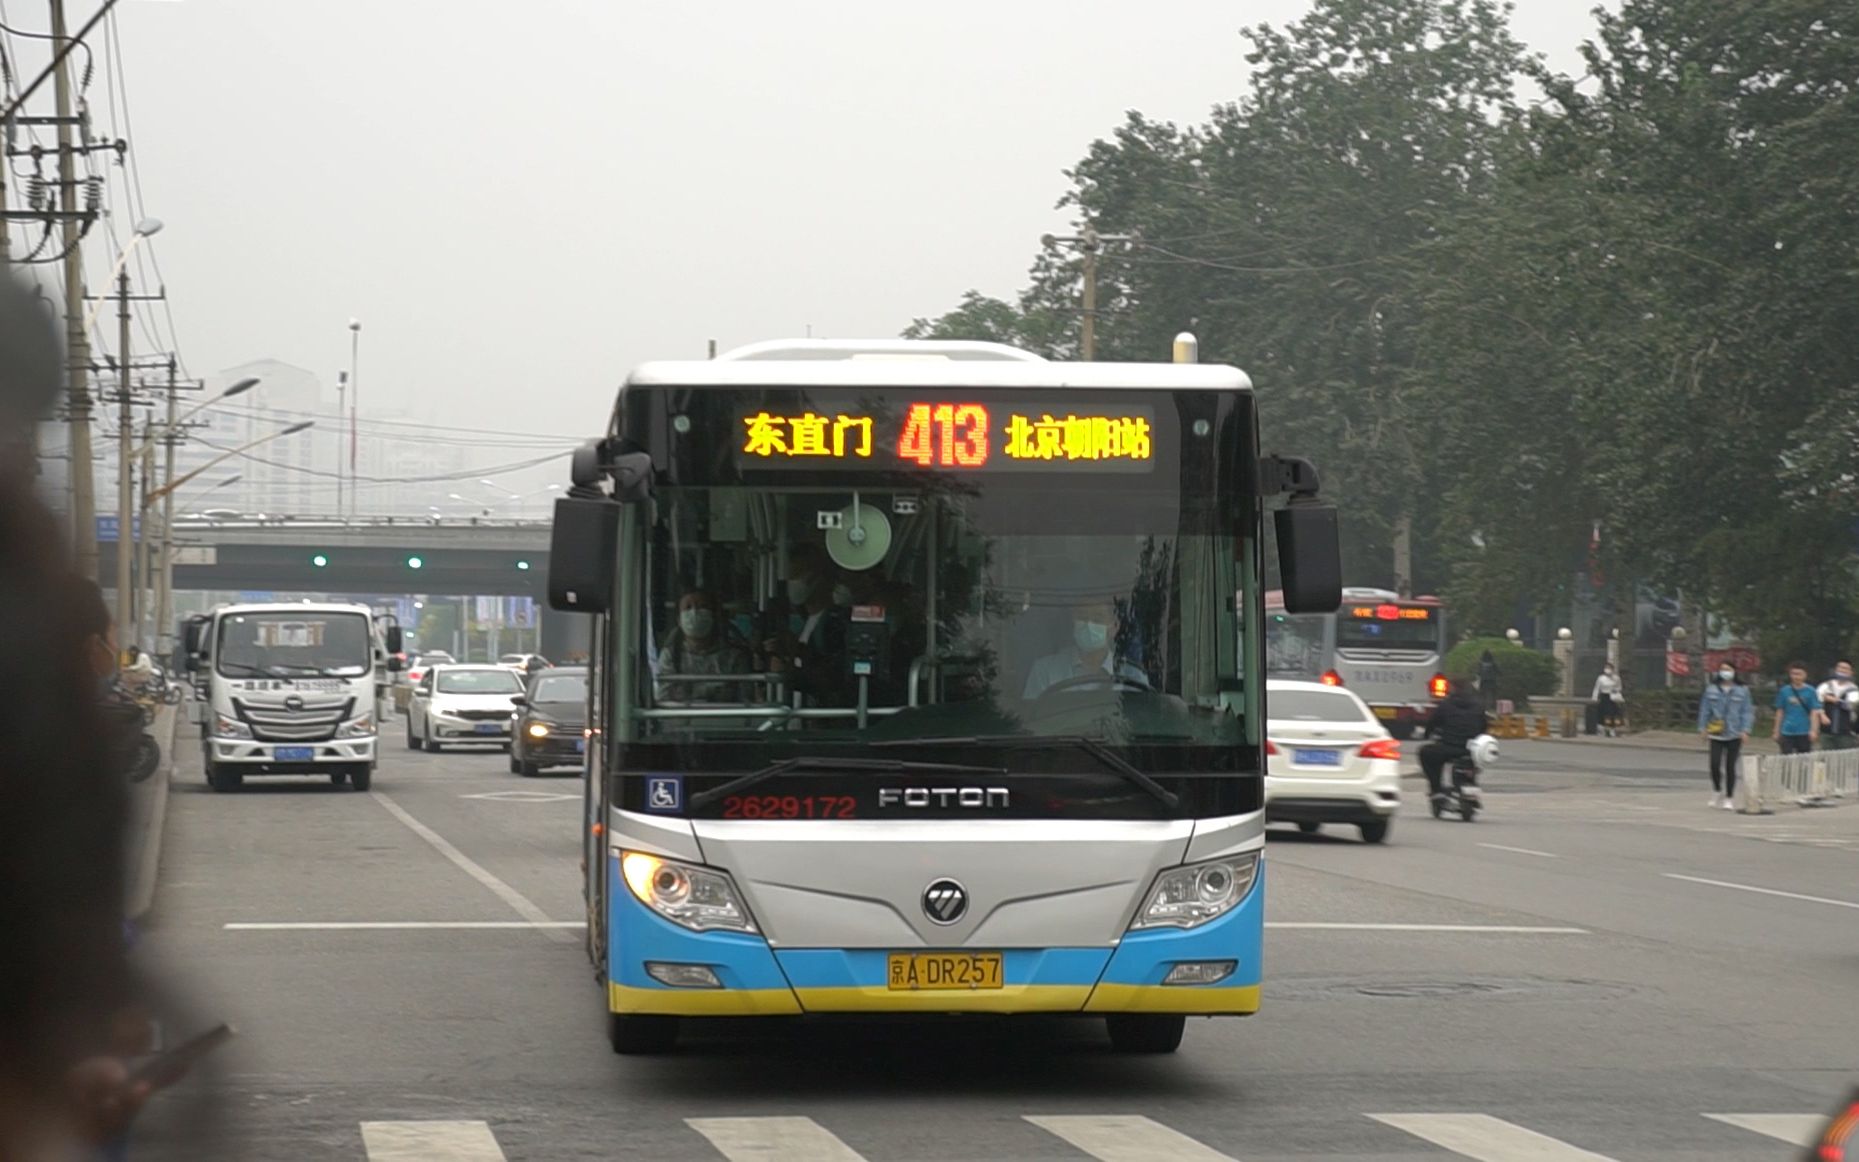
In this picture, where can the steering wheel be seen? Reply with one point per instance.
(1121, 682)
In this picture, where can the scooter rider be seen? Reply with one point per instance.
(1455, 723)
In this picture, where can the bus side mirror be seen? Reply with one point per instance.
(582, 547)
(191, 642)
(393, 641)
(1310, 565)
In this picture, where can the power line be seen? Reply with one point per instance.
(470, 474)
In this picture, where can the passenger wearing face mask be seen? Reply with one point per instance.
(1837, 720)
(1092, 652)
(811, 648)
(1725, 714)
(701, 644)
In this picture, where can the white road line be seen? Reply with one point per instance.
(1800, 1129)
(430, 1142)
(1128, 1138)
(1527, 929)
(392, 925)
(773, 1140)
(1487, 1138)
(1521, 850)
(522, 904)
(1760, 891)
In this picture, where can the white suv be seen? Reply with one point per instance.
(1328, 760)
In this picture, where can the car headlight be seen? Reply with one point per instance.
(1187, 897)
(230, 727)
(537, 730)
(698, 898)
(357, 727)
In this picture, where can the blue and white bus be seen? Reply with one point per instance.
(1390, 650)
(919, 685)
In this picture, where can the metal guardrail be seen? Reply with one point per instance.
(1824, 778)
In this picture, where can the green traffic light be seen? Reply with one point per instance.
(414, 563)
(319, 560)
(522, 565)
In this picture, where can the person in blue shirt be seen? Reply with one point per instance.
(1725, 715)
(1797, 719)
(1093, 652)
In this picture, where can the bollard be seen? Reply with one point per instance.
(1568, 723)
(1542, 726)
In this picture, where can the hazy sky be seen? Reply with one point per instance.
(520, 200)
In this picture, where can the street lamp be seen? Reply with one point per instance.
(164, 595)
(146, 228)
(231, 452)
(354, 404)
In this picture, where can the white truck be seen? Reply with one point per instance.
(290, 689)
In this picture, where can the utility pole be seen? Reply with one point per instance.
(1090, 244)
(164, 566)
(342, 396)
(144, 583)
(77, 344)
(125, 515)
(354, 404)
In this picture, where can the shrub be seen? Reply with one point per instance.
(1521, 672)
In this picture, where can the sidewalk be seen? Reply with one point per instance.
(1689, 740)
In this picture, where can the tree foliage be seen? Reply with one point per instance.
(1513, 309)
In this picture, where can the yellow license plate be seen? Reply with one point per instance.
(911, 971)
(1385, 712)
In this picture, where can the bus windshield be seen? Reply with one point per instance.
(289, 643)
(827, 614)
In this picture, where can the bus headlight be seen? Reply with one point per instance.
(1187, 897)
(357, 727)
(226, 727)
(698, 898)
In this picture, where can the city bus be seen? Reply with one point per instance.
(1390, 650)
(919, 685)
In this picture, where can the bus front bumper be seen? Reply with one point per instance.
(757, 980)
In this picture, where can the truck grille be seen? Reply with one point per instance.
(316, 721)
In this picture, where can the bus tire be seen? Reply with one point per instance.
(1145, 1032)
(361, 776)
(1308, 826)
(632, 1034)
(1376, 832)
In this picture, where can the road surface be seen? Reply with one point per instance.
(1599, 968)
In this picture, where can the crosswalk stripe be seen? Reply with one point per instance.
(430, 1142)
(1800, 1129)
(1487, 1138)
(773, 1140)
(1127, 1138)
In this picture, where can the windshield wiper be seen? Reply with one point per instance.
(1110, 759)
(866, 766)
(249, 668)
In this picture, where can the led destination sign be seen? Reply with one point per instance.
(959, 436)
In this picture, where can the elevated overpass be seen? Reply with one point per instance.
(469, 557)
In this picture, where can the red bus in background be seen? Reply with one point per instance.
(1390, 650)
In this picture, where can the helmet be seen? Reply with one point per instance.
(1484, 750)
(1852, 700)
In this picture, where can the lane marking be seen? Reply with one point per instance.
(1487, 1138)
(1529, 929)
(521, 904)
(1798, 1129)
(522, 796)
(773, 1140)
(1127, 1138)
(1760, 891)
(393, 925)
(1521, 850)
(430, 1142)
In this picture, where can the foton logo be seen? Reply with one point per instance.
(922, 798)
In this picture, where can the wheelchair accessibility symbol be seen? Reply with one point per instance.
(664, 793)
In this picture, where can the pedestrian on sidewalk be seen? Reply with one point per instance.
(1726, 713)
(1838, 695)
(1609, 698)
(1797, 719)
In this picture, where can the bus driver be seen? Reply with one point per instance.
(1093, 652)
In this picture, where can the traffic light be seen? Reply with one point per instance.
(523, 565)
(415, 563)
(320, 560)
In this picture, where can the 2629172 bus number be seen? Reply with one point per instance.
(790, 807)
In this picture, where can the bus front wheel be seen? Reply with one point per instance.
(1145, 1032)
(631, 1035)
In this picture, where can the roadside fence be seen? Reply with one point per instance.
(1826, 778)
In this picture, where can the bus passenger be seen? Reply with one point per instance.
(1092, 653)
(700, 644)
(811, 649)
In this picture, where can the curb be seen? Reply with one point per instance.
(141, 888)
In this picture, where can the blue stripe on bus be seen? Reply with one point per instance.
(637, 934)
(1145, 957)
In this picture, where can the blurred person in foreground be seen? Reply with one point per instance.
(72, 1016)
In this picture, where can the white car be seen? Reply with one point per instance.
(1328, 760)
(462, 704)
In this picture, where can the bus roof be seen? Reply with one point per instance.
(924, 364)
(1275, 598)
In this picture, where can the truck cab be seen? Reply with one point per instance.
(290, 689)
